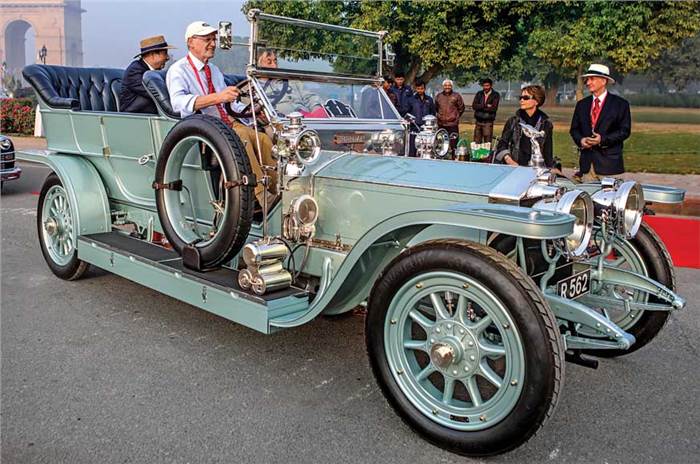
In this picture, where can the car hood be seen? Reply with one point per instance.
(498, 181)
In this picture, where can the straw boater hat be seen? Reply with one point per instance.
(599, 70)
(152, 44)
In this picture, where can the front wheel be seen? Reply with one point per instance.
(464, 347)
(57, 232)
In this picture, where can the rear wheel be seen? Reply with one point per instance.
(464, 347)
(56, 228)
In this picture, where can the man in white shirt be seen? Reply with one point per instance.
(194, 85)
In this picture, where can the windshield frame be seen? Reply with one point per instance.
(255, 15)
(272, 111)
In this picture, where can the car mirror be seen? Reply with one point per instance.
(225, 35)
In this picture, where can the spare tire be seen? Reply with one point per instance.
(225, 149)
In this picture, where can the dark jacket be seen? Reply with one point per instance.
(134, 98)
(403, 94)
(449, 108)
(421, 107)
(518, 146)
(614, 126)
(485, 111)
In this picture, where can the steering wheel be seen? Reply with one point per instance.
(252, 105)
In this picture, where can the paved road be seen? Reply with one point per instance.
(104, 370)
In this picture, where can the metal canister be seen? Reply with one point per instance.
(245, 279)
(257, 253)
(265, 283)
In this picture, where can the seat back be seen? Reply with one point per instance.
(86, 89)
(116, 87)
(155, 83)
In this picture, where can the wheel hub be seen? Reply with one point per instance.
(454, 349)
(51, 226)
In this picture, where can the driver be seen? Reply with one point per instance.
(288, 96)
(195, 85)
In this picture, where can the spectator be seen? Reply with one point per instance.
(420, 105)
(387, 85)
(449, 107)
(600, 125)
(374, 107)
(133, 96)
(402, 91)
(514, 148)
(485, 106)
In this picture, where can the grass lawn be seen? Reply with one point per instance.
(663, 140)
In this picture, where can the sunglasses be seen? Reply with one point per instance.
(526, 97)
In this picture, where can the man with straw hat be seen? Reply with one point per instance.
(133, 97)
(600, 125)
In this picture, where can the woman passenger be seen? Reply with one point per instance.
(514, 147)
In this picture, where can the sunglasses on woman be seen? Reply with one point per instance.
(526, 97)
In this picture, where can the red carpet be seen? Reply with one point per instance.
(681, 236)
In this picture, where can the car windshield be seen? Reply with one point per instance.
(298, 46)
(327, 99)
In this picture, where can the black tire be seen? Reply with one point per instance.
(74, 268)
(541, 340)
(235, 225)
(660, 268)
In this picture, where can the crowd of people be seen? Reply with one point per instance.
(600, 124)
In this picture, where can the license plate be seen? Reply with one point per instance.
(575, 286)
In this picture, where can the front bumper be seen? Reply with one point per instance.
(10, 174)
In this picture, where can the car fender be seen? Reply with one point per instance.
(84, 187)
(344, 288)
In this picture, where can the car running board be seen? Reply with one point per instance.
(215, 291)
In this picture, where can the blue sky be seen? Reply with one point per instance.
(112, 29)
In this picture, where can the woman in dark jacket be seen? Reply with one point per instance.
(514, 147)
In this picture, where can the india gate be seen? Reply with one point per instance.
(56, 26)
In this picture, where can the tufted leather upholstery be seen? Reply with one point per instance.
(86, 89)
(116, 87)
(154, 81)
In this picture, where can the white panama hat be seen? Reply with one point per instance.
(599, 70)
(198, 28)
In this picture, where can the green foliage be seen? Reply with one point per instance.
(16, 116)
(678, 66)
(462, 38)
(567, 36)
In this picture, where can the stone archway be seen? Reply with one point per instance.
(16, 52)
(56, 24)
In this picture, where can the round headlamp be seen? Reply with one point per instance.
(305, 210)
(5, 143)
(307, 146)
(627, 203)
(578, 204)
(441, 144)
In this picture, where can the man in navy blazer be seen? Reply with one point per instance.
(600, 125)
(133, 97)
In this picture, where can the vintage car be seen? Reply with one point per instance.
(8, 169)
(479, 280)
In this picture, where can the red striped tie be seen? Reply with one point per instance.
(595, 112)
(210, 84)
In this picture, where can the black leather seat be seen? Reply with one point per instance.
(154, 81)
(86, 89)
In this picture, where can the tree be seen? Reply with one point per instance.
(628, 35)
(459, 38)
(678, 66)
